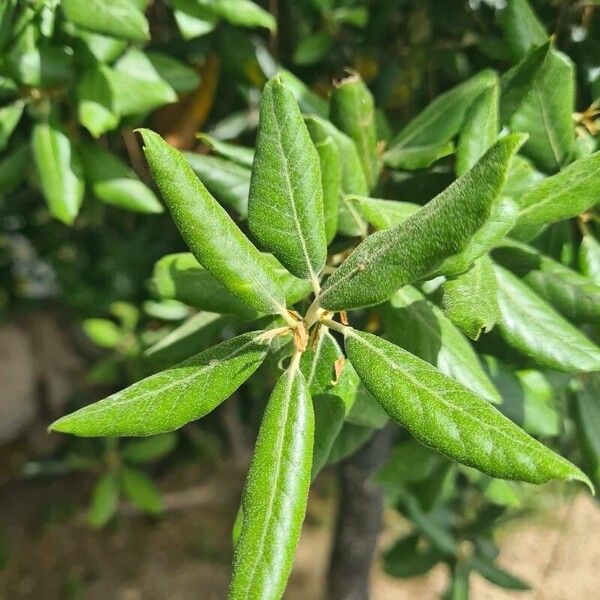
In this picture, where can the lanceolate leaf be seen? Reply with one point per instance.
(417, 157)
(214, 239)
(228, 182)
(470, 300)
(286, 198)
(170, 399)
(586, 411)
(9, 118)
(421, 328)
(13, 167)
(522, 176)
(329, 419)
(309, 102)
(452, 223)
(141, 491)
(113, 182)
(383, 214)
(480, 129)
(546, 113)
(353, 112)
(96, 107)
(522, 28)
(59, 171)
(572, 294)
(318, 363)
(562, 196)
(276, 491)
(589, 258)
(105, 499)
(234, 152)
(536, 329)
(446, 416)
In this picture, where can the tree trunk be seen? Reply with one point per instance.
(358, 520)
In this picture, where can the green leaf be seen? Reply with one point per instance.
(421, 328)
(312, 48)
(317, 363)
(331, 181)
(545, 114)
(59, 171)
(285, 206)
(586, 413)
(95, 107)
(234, 152)
(309, 102)
(141, 491)
(532, 326)
(428, 239)
(353, 179)
(40, 66)
(13, 167)
(114, 183)
(516, 83)
(10, 116)
(350, 439)
(589, 257)
(470, 300)
(181, 77)
(417, 157)
(244, 13)
(383, 214)
(442, 119)
(521, 177)
(572, 294)
(193, 18)
(214, 239)
(522, 28)
(562, 196)
(117, 18)
(408, 462)
(276, 492)
(353, 112)
(102, 332)
(480, 129)
(104, 48)
(496, 575)
(405, 559)
(227, 181)
(441, 413)
(329, 418)
(170, 399)
(137, 86)
(196, 334)
(365, 410)
(105, 499)
(149, 449)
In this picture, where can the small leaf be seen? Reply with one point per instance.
(228, 182)
(479, 130)
(353, 112)
(193, 18)
(10, 116)
(312, 48)
(170, 399)
(350, 439)
(421, 328)
(117, 18)
(516, 83)
(149, 449)
(244, 13)
(365, 410)
(181, 77)
(496, 575)
(318, 362)
(522, 28)
(383, 214)
(441, 413)
(329, 419)
(589, 257)
(141, 491)
(564, 195)
(276, 492)
(545, 113)
(417, 157)
(214, 239)
(234, 152)
(586, 412)
(537, 330)
(404, 559)
(96, 108)
(102, 332)
(13, 167)
(429, 239)
(113, 182)
(470, 300)
(105, 499)
(285, 206)
(572, 294)
(408, 462)
(59, 171)
(309, 102)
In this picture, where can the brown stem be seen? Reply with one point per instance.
(359, 520)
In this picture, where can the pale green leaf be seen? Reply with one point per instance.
(442, 414)
(383, 214)
(214, 239)
(10, 116)
(105, 499)
(417, 157)
(276, 492)
(589, 258)
(244, 13)
(193, 18)
(174, 397)
(96, 107)
(141, 491)
(102, 332)
(586, 412)
(149, 449)
(285, 206)
(234, 152)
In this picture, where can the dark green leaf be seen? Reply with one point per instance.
(117, 18)
(586, 411)
(149, 449)
(105, 499)
(532, 326)
(276, 492)
(318, 363)
(309, 102)
(285, 207)
(350, 439)
(470, 300)
(409, 462)
(420, 327)
(522, 28)
(365, 410)
(443, 414)
(589, 257)
(59, 171)
(10, 116)
(404, 559)
(312, 48)
(170, 399)
(353, 112)
(331, 181)
(329, 419)
(429, 240)
(141, 491)
(13, 167)
(496, 575)
(214, 239)
(113, 182)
